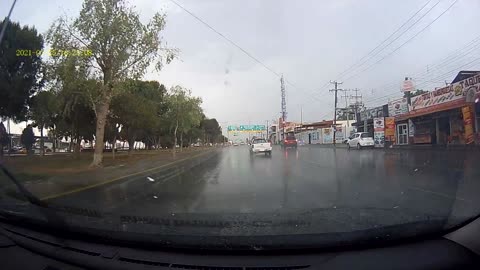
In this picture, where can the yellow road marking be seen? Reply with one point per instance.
(116, 179)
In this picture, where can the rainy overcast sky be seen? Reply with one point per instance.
(311, 42)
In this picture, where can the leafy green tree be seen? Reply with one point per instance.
(44, 112)
(28, 138)
(184, 112)
(20, 69)
(212, 130)
(118, 47)
(415, 93)
(70, 83)
(137, 109)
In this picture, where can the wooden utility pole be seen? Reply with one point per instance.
(335, 110)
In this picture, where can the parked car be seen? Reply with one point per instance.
(261, 146)
(290, 141)
(347, 139)
(360, 140)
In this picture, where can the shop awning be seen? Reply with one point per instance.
(432, 109)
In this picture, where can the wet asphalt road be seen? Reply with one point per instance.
(431, 182)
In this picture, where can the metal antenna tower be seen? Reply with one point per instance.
(284, 102)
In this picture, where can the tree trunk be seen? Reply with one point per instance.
(76, 148)
(131, 145)
(101, 113)
(54, 144)
(181, 141)
(42, 149)
(114, 146)
(175, 140)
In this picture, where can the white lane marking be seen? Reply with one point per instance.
(150, 179)
(439, 194)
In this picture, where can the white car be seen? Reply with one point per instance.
(360, 139)
(261, 146)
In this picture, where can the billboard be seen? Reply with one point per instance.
(327, 135)
(379, 131)
(246, 128)
(373, 112)
(390, 129)
(397, 107)
(408, 85)
(440, 96)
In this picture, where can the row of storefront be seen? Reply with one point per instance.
(446, 116)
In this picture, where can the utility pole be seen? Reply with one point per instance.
(7, 20)
(357, 97)
(345, 96)
(335, 110)
(267, 130)
(284, 105)
(301, 115)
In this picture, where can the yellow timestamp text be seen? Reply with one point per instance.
(54, 52)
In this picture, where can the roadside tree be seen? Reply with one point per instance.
(117, 45)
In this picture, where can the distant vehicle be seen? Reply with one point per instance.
(261, 146)
(347, 139)
(242, 143)
(360, 140)
(235, 144)
(290, 141)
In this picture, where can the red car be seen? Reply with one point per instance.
(290, 141)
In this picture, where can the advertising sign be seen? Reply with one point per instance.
(443, 95)
(379, 138)
(339, 134)
(390, 129)
(379, 124)
(327, 135)
(397, 107)
(468, 124)
(407, 85)
(371, 113)
(247, 128)
(379, 131)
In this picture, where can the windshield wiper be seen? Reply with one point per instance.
(28, 195)
(53, 219)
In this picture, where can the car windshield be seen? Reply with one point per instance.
(135, 120)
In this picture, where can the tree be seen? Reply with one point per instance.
(137, 109)
(68, 80)
(20, 69)
(118, 46)
(415, 93)
(44, 112)
(184, 112)
(28, 139)
(212, 130)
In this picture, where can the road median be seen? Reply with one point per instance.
(54, 185)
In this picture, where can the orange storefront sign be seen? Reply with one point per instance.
(468, 124)
(390, 128)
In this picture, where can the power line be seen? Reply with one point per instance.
(384, 47)
(440, 65)
(251, 56)
(391, 35)
(403, 44)
(441, 77)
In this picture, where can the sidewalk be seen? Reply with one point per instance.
(60, 185)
